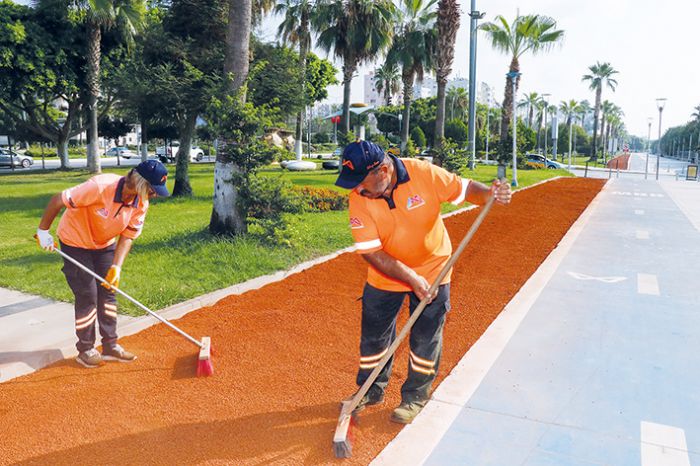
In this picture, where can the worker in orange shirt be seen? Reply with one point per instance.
(97, 211)
(396, 224)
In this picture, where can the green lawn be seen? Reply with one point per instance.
(175, 258)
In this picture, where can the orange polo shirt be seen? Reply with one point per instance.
(95, 213)
(409, 226)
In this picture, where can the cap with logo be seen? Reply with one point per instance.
(359, 158)
(156, 174)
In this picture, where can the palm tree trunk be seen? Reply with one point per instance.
(298, 134)
(93, 85)
(226, 216)
(596, 114)
(182, 178)
(348, 71)
(144, 139)
(440, 116)
(507, 111)
(407, 97)
(530, 114)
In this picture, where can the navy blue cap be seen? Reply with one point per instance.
(156, 174)
(359, 158)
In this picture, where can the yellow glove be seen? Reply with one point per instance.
(112, 277)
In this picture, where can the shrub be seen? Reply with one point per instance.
(451, 158)
(380, 140)
(266, 200)
(457, 131)
(418, 137)
(410, 150)
(320, 138)
(321, 199)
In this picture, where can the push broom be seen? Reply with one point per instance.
(204, 364)
(342, 440)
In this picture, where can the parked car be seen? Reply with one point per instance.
(121, 151)
(338, 152)
(10, 158)
(539, 161)
(169, 152)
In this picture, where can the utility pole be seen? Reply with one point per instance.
(660, 103)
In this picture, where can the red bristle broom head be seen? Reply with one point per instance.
(205, 368)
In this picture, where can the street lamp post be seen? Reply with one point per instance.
(488, 128)
(660, 103)
(646, 166)
(513, 75)
(475, 17)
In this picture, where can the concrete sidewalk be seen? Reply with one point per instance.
(595, 360)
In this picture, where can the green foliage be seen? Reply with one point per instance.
(457, 131)
(276, 79)
(418, 137)
(240, 127)
(380, 140)
(320, 73)
(346, 138)
(320, 138)
(410, 150)
(266, 201)
(450, 156)
(113, 128)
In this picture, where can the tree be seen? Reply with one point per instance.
(295, 29)
(42, 71)
(696, 114)
(413, 50)
(356, 31)
(601, 74)
(569, 110)
(531, 33)
(456, 131)
(99, 15)
(387, 80)
(458, 99)
(226, 216)
(448, 25)
(187, 70)
(530, 101)
(418, 137)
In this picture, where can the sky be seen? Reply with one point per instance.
(652, 44)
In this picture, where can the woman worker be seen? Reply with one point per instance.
(97, 211)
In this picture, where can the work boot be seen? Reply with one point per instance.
(90, 358)
(374, 396)
(407, 411)
(117, 353)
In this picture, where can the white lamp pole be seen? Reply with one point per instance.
(660, 103)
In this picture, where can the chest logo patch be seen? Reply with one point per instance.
(104, 213)
(356, 223)
(414, 201)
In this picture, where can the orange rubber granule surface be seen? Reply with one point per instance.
(285, 356)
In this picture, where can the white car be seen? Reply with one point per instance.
(169, 152)
(124, 152)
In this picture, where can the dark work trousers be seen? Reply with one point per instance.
(92, 301)
(379, 311)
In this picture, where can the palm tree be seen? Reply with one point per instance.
(530, 101)
(696, 113)
(457, 98)
(601, 75)
(531, 33)
(103, 14)
(226, 217)
(295, 29)
(606, 108)
(448, 25)
(356, 31)
(259, 9)
(568, 109)
(387, 80)
(414, 50)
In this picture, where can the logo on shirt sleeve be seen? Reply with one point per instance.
(356, 223)
(104, 213)
(414, 201)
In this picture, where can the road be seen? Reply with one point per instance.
(52, 163)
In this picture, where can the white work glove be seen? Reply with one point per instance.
(45, 240)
